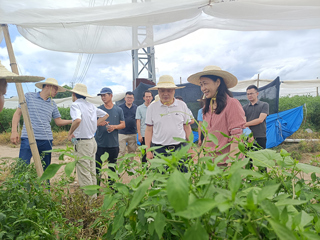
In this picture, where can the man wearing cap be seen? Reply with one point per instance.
(107, 132)
(141, 118)
(84, 125)
(166, 119)
(41, 109)
(128, 135)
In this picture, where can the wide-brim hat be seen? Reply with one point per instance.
(165, 81)
(11, 77)
(229, 79)
(80, 89)
(50, 81)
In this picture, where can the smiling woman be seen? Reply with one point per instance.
(222, 112)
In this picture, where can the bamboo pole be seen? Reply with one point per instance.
(23, 104)
(258, 80)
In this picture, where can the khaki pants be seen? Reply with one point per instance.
(86, 169)
(131, 139)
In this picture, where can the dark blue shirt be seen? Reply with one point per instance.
(130, 119)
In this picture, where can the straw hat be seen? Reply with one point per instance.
(12, 77)
(51, 81)
(80, 89)
(165, 81)
(229, 79)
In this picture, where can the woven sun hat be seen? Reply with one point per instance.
(50, 81)
(80, 89)
(229, 79)
(165, 81)
(11, 77)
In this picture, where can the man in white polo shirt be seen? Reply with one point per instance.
(84, 125)
(166, 119)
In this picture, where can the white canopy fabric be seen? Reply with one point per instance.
(104, 26)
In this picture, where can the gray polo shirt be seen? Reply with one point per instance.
(253, 112)
(141, 114)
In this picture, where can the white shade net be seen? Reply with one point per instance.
(111, 26)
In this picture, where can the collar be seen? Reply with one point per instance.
(38, 96)
(257, 103)
(174, 104)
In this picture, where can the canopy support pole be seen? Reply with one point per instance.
(23, 104)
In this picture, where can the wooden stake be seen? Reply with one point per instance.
(23, 104)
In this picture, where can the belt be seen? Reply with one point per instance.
(169, 146)
(84, 139)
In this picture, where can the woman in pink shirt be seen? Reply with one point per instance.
(222, 112)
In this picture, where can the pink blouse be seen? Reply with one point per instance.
(230, 121)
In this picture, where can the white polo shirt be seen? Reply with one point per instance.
(88, 113)
(167, 121)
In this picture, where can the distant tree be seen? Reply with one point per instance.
(64, 94)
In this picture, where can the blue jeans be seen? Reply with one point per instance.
(43, 145)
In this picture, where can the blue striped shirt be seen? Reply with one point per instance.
(41, 112)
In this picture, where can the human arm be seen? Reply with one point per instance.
(14, 130)
(75, 124)
(187, 130)
(139, 130)
(102, 119)
(148, 138)
(62, 122)
(199, 133)
(257, 121)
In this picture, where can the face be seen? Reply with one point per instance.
(53, 90)
(252, 94)
(147, 98)
(129, 99)
(106, 97)
(166, 94)
(209, 87)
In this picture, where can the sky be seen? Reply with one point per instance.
(291, 55)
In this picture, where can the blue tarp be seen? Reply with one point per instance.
(282, 125)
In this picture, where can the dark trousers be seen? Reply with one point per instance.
(163, 150)
(144, 156)
(43, 145)
(113, 155)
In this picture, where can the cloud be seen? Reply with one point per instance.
(292, 55)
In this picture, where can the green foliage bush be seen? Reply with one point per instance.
(208, 202)
(27, 210)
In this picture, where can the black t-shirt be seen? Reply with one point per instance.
(130, 119)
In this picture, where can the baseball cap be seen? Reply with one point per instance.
(104, 91)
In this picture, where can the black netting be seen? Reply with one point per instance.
(191, 93)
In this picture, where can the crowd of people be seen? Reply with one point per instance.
(114, 129)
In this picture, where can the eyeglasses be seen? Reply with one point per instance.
(249, 94)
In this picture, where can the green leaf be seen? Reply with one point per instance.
(198, 208)
(305, 219)
(91, 187)
(112, 174)
(242, 147)
(213, 138)
(196, 231)
(270, 208)
(220, 158)
(235, 183)
(51, 170)
(178, 191)
(267, 191)
(159, 224)
(180, 140)
(238, 165)
(250, 201)
(317, 226)
(70, 168)
(265, 157)
(138, 195)
(61, 157)
(286, 202)
(282, 231)
(104, 157)
(108, 202)
(118, 220)
(307, 168)
(310, 236)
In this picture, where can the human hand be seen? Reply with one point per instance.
(103, 123)
(15, 138)
(70, 137)
(111, 128)
(199, 142)
(140, 138)
(149, 155)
